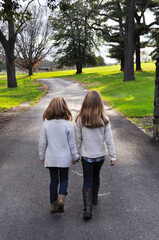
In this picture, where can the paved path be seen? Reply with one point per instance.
(129, 195)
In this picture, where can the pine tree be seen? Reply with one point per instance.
(72, 37)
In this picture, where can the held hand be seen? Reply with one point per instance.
(73, 162)
(112, 163)
(77, 160)
(42, 161)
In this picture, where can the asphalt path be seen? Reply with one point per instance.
(129, 194)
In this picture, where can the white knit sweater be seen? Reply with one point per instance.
(91, 141)
(57, 143)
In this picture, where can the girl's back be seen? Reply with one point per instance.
(93, 139)
(57, 133)
(59, 136)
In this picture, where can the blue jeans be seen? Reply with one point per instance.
(58, 175)
(91, 173)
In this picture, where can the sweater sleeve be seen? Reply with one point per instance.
(72, 144)
(109, 142)
(42, 143)
(78, 132)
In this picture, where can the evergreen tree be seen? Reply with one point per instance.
(72, 37)
(141, 28)
(117, 52)
(112, 25)
(155, 36)
(109, 19)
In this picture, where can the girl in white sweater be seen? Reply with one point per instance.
(93, 130)
(56, 149)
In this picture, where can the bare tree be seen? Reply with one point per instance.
(34, 43)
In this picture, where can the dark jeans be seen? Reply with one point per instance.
(91, 173)
(58, 175)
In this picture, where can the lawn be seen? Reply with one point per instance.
(132, 98)
(27, 91)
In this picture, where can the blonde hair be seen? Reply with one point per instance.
(57, 109)
(92, 111)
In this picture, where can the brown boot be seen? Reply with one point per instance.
(95, 189)
(60, 203)
(54, 207)
(87, 199)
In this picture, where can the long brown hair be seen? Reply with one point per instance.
(92, 111)
(57, 109)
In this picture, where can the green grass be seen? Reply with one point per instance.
(132, 98)
(27, 91)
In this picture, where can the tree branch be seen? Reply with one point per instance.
(3, 40)
(146, 6)
(22, 21)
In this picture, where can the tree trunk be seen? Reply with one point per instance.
(79, 68)
(8, 46)
(30, 71)
(156, 103)
(122, 64)
(11, 78)
(129, 41)
(138, 60)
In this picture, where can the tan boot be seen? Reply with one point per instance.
(54, 207)
(60, 203)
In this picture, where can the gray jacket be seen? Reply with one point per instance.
(91, 142)
(57, 143)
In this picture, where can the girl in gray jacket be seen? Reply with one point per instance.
(56, 149)
(93, 130)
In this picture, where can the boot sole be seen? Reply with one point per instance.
(87, 217)
(60, 208)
